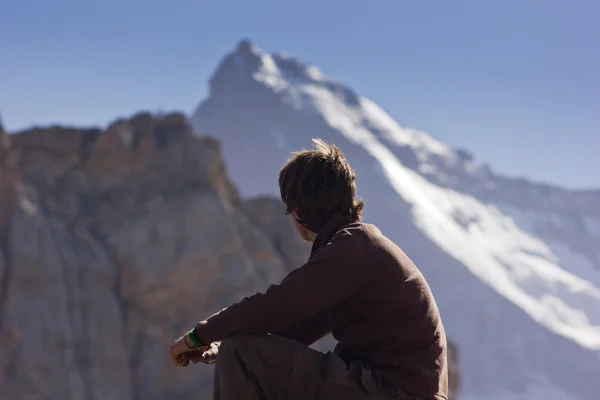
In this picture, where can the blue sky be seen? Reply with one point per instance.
(516, 82)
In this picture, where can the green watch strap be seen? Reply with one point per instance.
(194, 339)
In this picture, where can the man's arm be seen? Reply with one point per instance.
(333, 273)
(308, 331)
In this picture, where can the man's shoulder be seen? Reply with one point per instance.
(357, 237)
(360, 231)
(360, 227)
(353, 233)
(374, 242)
(349, 241)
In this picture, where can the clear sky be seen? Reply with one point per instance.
(515, 81)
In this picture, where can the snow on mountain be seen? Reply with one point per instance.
(514, 265)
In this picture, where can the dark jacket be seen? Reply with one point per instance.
(361, 287)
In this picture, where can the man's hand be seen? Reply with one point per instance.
(182, 349)
(208, 356)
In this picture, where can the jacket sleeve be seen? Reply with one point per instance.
(308, 331)
(331, 275)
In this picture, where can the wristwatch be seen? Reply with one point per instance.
(192, 335)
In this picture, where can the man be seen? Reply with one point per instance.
(357, 285)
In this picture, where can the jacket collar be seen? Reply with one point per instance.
(335, 223)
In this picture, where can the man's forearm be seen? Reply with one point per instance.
(198, 332)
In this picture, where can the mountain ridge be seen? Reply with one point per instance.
(247, 55)
(111, 243)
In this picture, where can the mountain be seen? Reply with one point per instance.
(513, 264)
(111, 244)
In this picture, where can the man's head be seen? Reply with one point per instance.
(316, 184)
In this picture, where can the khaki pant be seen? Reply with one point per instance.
(272, 368)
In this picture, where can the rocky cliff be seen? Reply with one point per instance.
(111, 244)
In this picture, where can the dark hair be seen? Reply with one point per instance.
(319, 183)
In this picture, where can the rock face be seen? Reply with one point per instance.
(119, 240)
(111, 244)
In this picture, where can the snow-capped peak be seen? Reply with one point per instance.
(305, 87)
(277, 65)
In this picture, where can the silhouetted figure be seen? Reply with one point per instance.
(357, 285)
